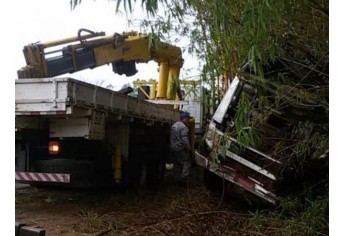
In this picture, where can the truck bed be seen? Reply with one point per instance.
(51, 96)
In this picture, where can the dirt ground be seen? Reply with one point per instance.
(172, 210)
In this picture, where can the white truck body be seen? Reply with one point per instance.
(194, 104)
(59, 96)
(68, 109)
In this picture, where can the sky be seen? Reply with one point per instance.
(24, 22)
(47, 20)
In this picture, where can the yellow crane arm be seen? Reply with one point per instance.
(96, 49)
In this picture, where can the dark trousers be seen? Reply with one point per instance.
(182, 164)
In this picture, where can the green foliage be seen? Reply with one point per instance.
(311, 213)
(246, 134)
(224, 146)
(175, 84)
(293, 217)
(154, 40)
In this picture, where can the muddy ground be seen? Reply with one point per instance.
(172, 210)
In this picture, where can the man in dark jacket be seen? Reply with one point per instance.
(180, 147)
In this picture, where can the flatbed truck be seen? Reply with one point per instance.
(70, 132)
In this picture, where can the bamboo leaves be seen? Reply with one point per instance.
(246, 134)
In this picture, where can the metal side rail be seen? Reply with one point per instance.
(236, 178)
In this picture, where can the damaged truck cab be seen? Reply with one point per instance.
(222, 154)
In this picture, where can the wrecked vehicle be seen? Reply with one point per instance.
(259, 156)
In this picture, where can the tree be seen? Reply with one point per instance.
(283, 44)
(279, 46)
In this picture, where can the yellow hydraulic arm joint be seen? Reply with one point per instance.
(173, 79)
(96, 49)
(163, 80)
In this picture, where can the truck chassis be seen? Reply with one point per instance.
(105, 137)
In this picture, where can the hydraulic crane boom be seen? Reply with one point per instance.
(96, 49)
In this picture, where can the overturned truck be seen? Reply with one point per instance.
(253, 139)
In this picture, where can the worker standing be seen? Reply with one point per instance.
(180, 148)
